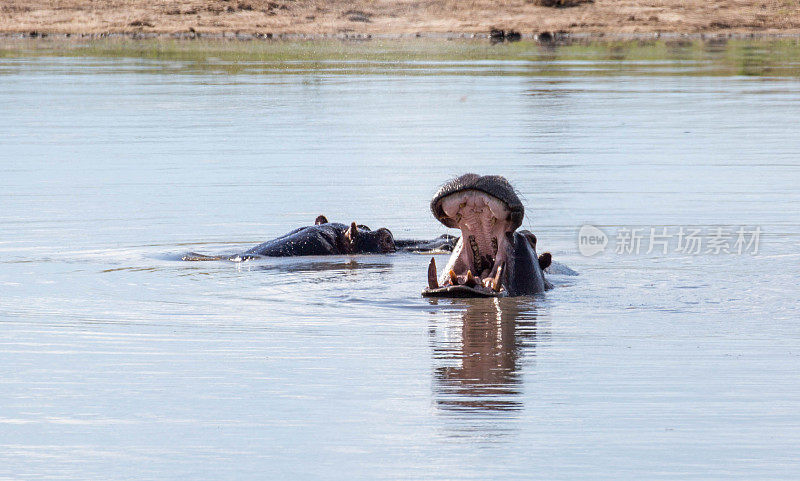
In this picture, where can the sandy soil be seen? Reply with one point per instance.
(315, 17)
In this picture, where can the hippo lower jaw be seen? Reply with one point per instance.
(461, 291)
(477, 267)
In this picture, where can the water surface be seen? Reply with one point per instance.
(119, 362)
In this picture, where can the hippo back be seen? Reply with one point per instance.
(307, 241)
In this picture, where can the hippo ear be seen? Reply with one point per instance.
(545, 260)
(321, 220)
(351, 234)
(530, 237)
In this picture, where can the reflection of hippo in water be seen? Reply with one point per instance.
(331, 238)
(477, 353)
(492, 258)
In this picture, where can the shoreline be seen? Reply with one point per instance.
(543, 37)
(332, 19)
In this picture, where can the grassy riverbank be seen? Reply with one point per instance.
(679, 57)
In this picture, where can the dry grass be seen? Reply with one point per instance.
(315, 17)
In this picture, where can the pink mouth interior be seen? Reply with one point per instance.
(483, 221)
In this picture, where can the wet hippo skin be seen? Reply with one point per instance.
(332, 238)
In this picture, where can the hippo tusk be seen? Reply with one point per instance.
(432, 282)
(496, 285)
(453, 277)
(470, 280)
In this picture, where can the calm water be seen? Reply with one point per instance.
(119, 362)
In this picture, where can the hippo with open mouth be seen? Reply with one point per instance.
(332, 238)
(492, 258)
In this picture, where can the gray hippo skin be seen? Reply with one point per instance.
(492, 258)
(331, 238)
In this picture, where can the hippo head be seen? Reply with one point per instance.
(359, 239)
(491, 259)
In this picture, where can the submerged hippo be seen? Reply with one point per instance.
(331, 238)
(491, 259)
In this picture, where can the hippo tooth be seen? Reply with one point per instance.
(470, 280)
(453, 277)
(496, 284)
(432, 282)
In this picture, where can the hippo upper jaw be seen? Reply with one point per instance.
(493, 186)
(487, 211)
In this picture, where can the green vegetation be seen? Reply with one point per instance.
(718, 57)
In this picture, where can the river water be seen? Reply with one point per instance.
(119, 361)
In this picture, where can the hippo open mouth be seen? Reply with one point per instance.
(487, 257)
